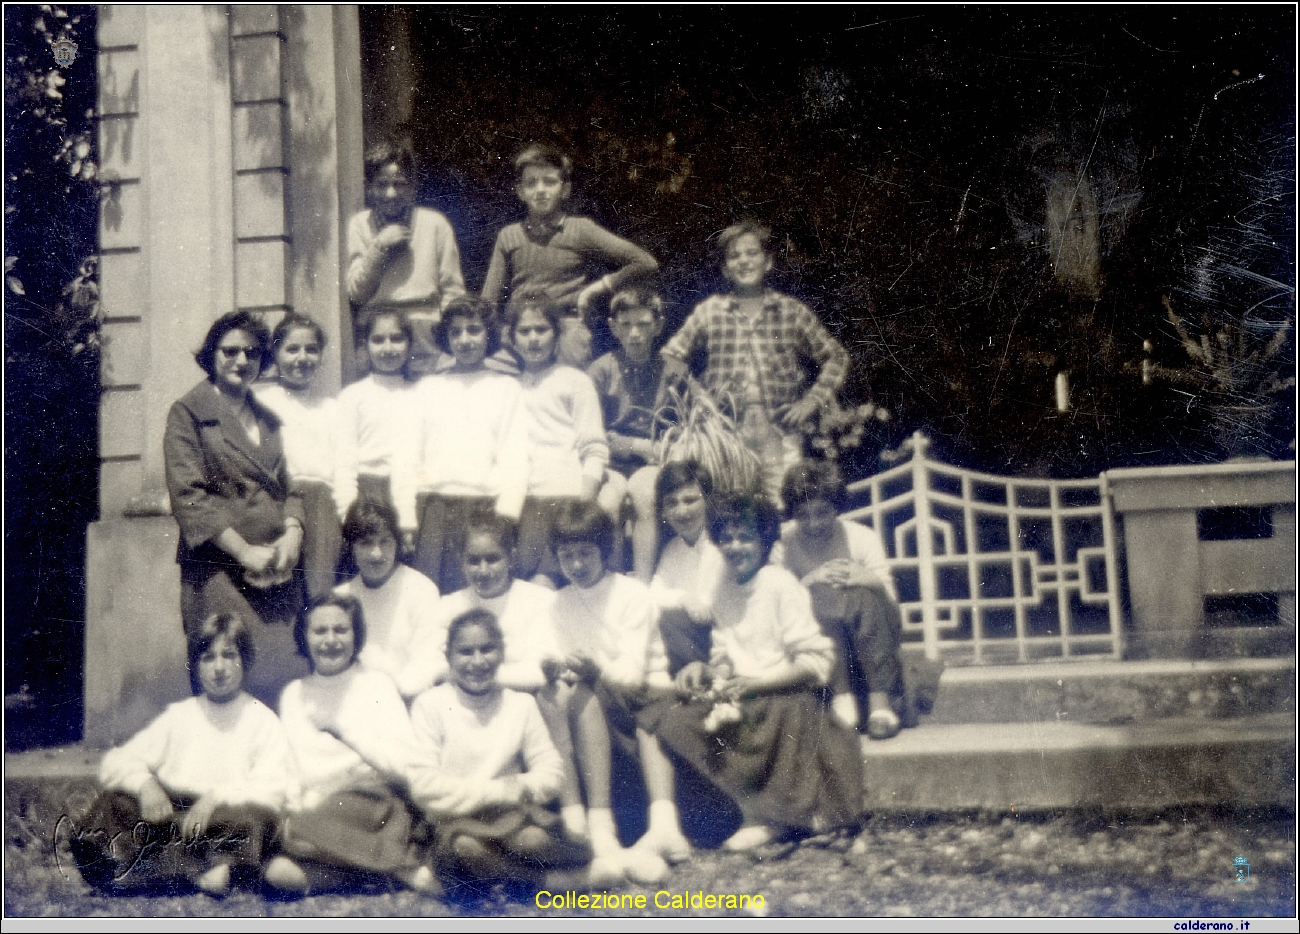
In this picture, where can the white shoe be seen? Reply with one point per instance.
(215, 881)
(748, 838)
(844, 708)
(644, 866)
(669, 843)
(605, 870)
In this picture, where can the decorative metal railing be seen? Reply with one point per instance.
(992, 569)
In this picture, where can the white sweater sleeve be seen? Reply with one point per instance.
(806, 646)
(589, 423)
(510, 470)
(433, 789)
(130, 766)
(866, 549)
(545, 768)
(349, 452)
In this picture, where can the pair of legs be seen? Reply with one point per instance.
(115, 849)
(594, 717)
(362, 832)
(516, 844)
(639, 490)
(786, 764)
(866, 626)
(322, 539)
(442, 522)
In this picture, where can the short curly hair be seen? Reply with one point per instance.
(736, 510)
(244, 321)
(469, 306)
(213, 628)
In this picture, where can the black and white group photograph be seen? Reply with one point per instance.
(660, 461)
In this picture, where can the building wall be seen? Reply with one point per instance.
(230, 142)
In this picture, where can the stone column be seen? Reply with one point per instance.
(230, 143)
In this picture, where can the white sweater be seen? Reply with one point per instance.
(375, 418)
(615, 624)
(425, 271)
(685, 569)
(524, 614)
(346, 730)
(566, 431)
(472, 439)
(865, 548)
(309, 430)
(401, 623)
(476, 751)
(234, 753)
(767, 624)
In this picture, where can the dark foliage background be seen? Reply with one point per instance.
(51, 367)
(905, 157)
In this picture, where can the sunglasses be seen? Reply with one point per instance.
(230, 353)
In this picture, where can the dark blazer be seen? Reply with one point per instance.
(218, 479)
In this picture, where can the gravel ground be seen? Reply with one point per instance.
(1068, 864)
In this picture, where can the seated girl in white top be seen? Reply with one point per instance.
(400, 604)
(689, 568)
(471, 440)
(522, 609)
(486, 767)
(352, 744)
(309, 429)
(788, 766)
(843, 565)
(194, 796)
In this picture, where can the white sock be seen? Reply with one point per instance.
(604, 835)
(574, 817)
(845, 709)
(663, 817)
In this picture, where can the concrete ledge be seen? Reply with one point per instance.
(1038, 766)
(1026, 766)
(1110, 693)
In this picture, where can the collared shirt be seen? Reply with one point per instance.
(768, 349)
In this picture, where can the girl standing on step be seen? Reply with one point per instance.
(401, 605)
(308, 424)
(376, 414)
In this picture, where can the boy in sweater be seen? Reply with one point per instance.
(552, 253)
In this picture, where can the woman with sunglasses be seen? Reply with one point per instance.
(241, 526)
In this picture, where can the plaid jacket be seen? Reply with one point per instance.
(784, 335)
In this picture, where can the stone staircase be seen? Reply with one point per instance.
(1109, 735)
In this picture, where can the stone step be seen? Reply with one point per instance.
(1037, 766)
(1013, 767)
(1115, 692)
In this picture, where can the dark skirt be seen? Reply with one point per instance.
(442, 525)
(322, 540)
(685, 641)
(498, 828)
(786, 762)
(212, 582)
(367, 829)
(116, 849)
(372, 488)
